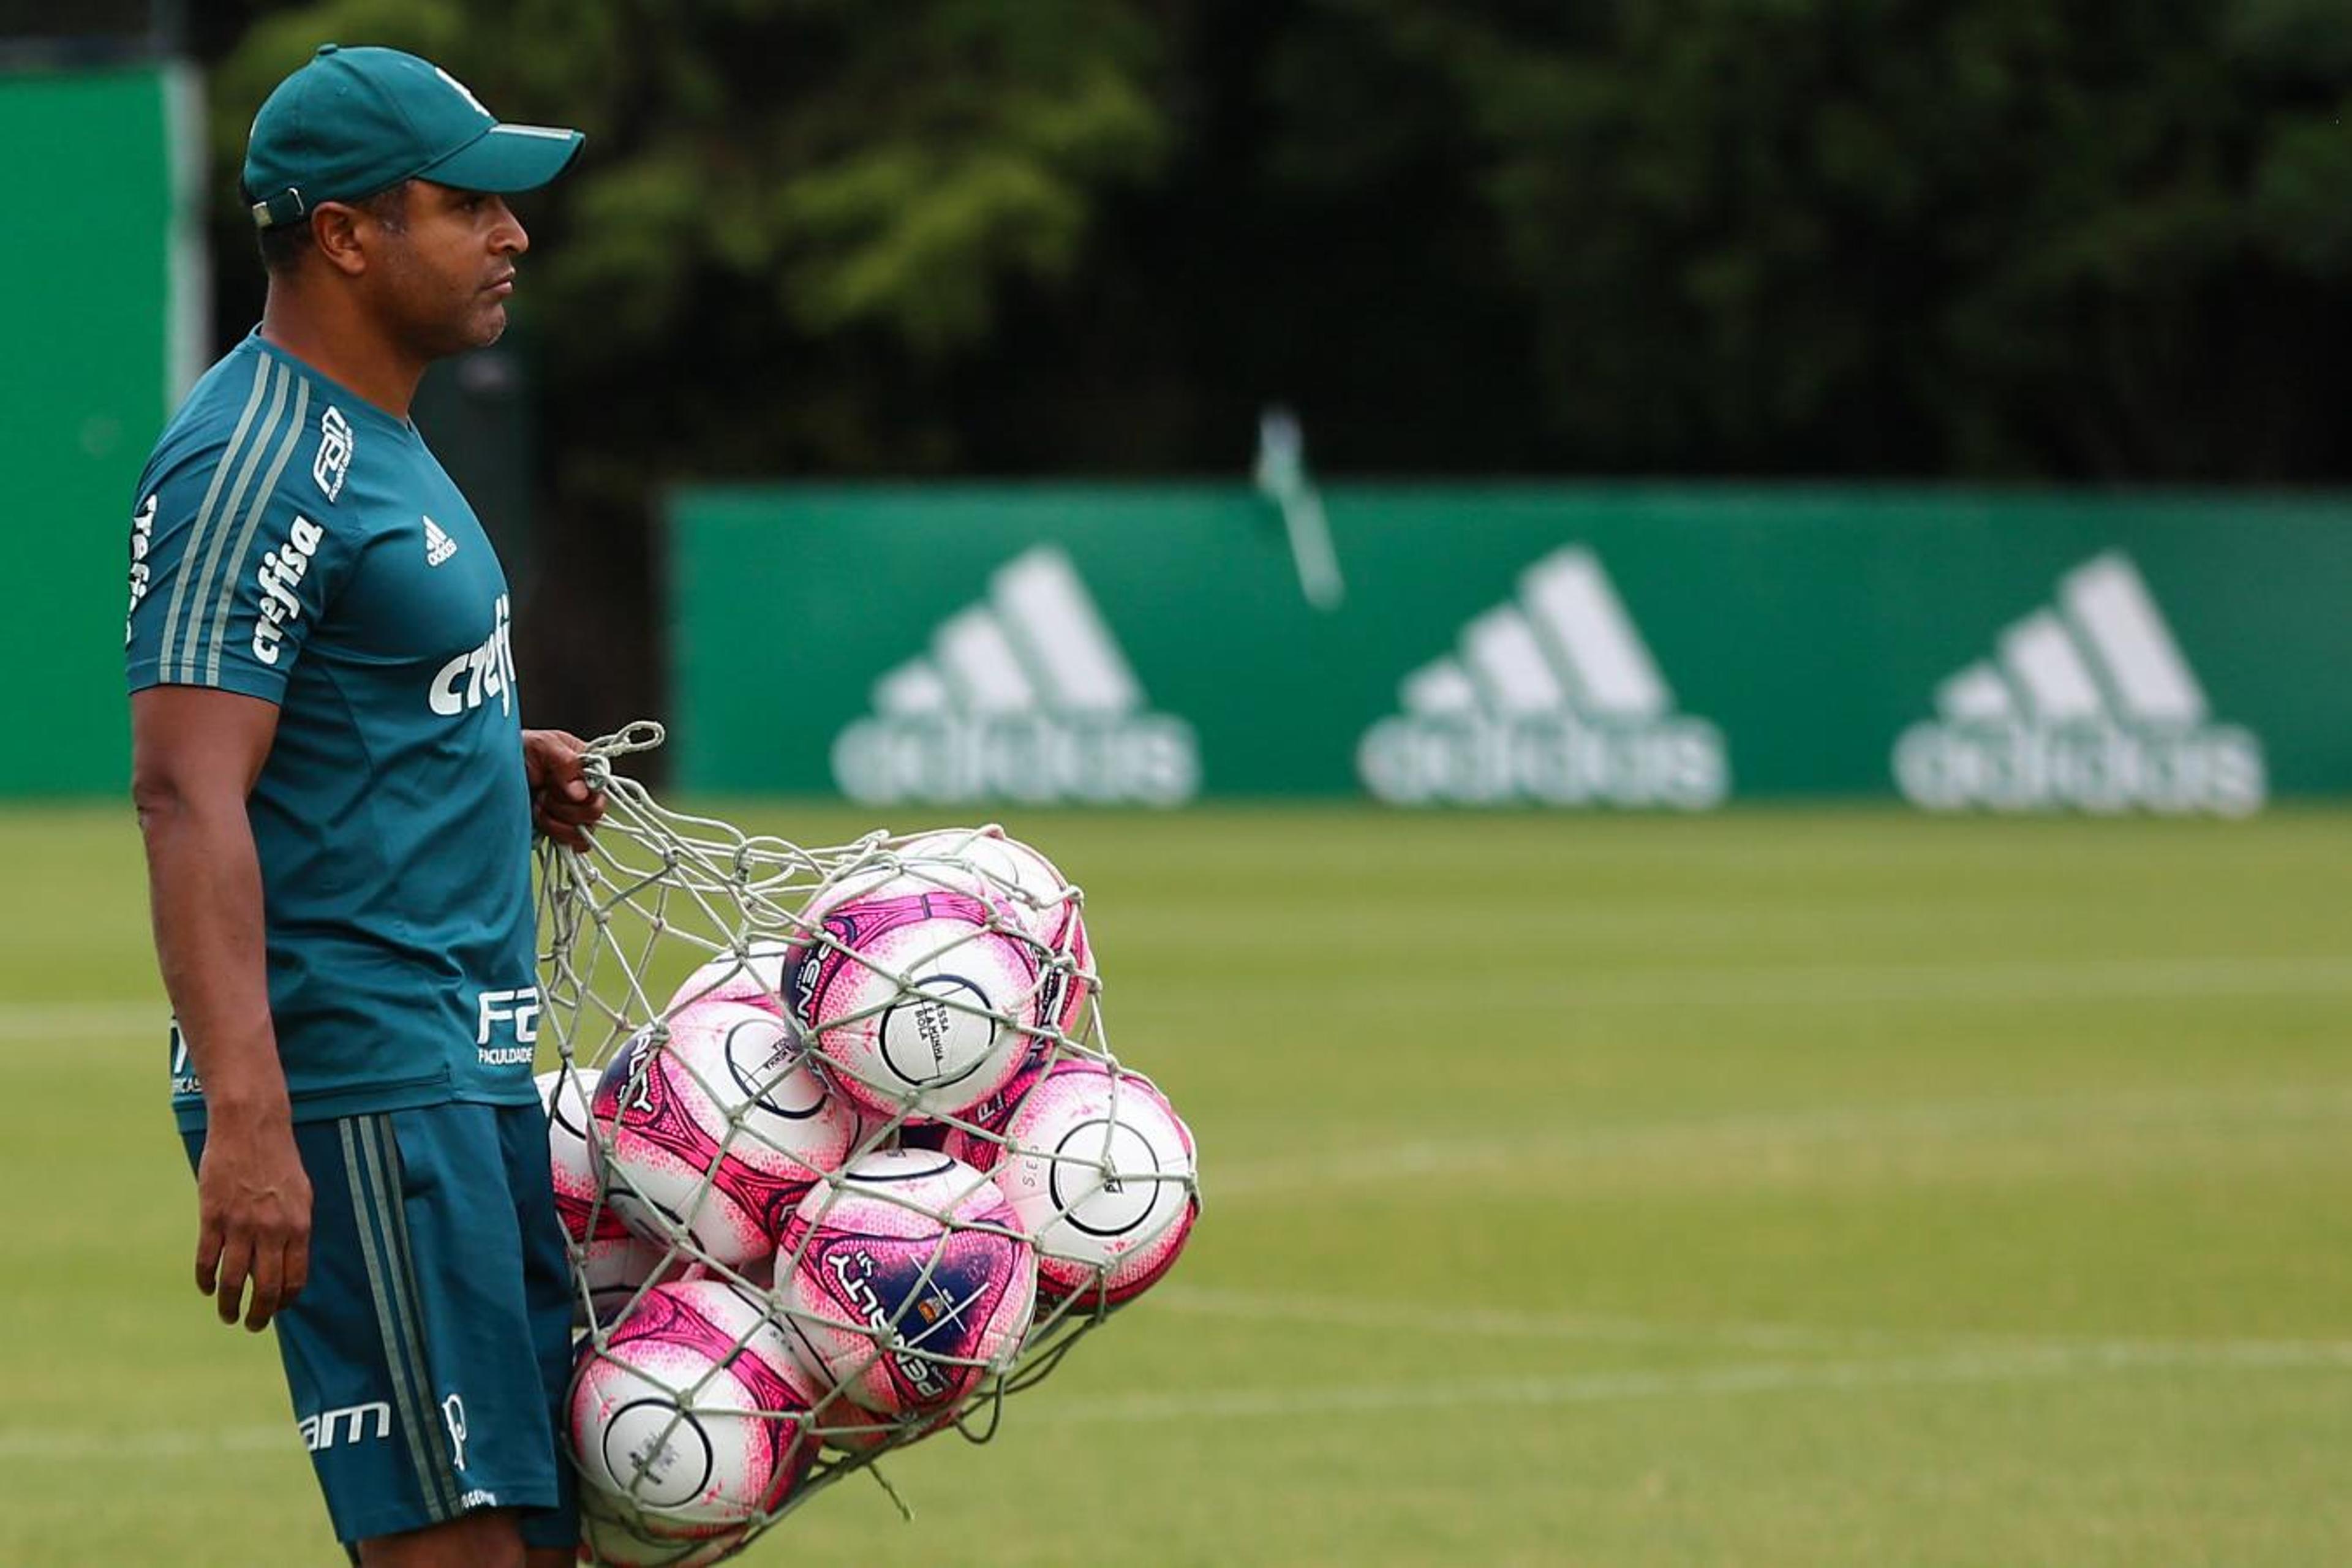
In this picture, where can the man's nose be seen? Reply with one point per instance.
(509, 237)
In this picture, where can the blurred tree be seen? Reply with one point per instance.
(826, 172)
(790, 213)
(2062, 238)
(2091, 238)
(1316, 236)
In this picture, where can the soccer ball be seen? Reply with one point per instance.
(755, 976)
(719, 1130)
(609, 1538)
(986, 1117)
(692, 1412)
(1037, 897)
(839, 1422)
(612, 1260)
(952, 1034)
(1100, 1172)
(890, 1293)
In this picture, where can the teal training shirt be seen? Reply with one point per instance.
(294, 543)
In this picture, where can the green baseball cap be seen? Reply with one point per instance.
(352, 121)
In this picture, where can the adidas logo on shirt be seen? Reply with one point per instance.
(438, 546)
(2087, 703)
(1023, 695)
(1550, 698)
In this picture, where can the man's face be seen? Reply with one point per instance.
(445, 273)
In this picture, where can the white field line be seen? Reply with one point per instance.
(40, 1022)
(75, 1446)
(1803, 985)
(1743, 986)
(1755, 1377)
(1242, 1403)
(1324, 1312)
(1502, 1152)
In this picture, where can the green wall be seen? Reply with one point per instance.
(2018, 651)
(99, 284)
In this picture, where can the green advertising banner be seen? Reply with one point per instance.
(102, 282)
(1620, 647)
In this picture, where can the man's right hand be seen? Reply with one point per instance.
(253, 1219)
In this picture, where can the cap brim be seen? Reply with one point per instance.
(506, 158)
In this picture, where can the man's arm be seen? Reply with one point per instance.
(195, 752)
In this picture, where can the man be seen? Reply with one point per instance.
(337, 798)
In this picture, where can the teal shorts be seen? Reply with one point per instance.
(429, 1352)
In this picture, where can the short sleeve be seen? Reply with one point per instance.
(228, 577)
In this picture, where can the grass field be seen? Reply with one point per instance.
(1775, 1190)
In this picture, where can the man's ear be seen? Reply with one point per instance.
(335, 227)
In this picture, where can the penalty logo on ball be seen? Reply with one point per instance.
(907, 1283)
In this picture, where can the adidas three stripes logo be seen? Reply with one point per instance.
(1550, 698)
(1023, 696)
(220, 543)
(2087, 703)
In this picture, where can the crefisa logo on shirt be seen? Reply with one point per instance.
(328, 469)
(281, 573)
(143, 538)
(472, 678)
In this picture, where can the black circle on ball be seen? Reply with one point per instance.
(627, 1471)
(932, 986)
(877, 1178)
(559, 1112)
(1075, 1160)
(794, 1048)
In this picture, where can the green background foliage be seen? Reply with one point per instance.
(1992, 238)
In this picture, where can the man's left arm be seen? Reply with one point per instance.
(564, 805)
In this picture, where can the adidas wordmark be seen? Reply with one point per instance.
(1023, 696)
(1550, 698)
(2088, 703)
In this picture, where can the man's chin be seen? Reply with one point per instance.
(478, 331)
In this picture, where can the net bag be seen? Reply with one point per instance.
(842, 1151)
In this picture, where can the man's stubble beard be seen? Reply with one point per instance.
(433, 326)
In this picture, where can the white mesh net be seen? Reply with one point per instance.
(841, 1148)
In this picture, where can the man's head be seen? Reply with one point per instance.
(378, 173)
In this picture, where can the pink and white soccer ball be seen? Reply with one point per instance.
(988, 1116)
(1034, 892)
(611, 1260)
(755, 976)
(719, 1130)
(692, 1414)
(1102, 1175)
(889, 1293)
(957, 1029)
(1037, 897)
(610, 1538)
(839, 1422)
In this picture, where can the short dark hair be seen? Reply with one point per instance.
(283, 244)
